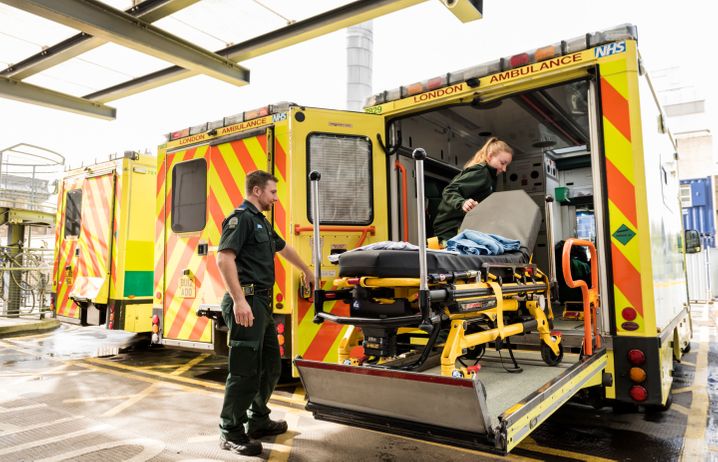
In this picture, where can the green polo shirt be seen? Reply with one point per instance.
(250, 235)
(475, 182)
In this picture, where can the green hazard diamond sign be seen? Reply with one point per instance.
(624, 234)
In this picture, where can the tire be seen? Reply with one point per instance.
(549, 357)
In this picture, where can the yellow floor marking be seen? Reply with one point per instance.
(298, 395)
(683, 390)
(681, 409)
(190, 364)
(134, 399)
(115, 398)
(281, 447)
(131, 401)
(164, 375)
(531, 445)
(694, 442)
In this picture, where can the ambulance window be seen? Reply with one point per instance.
(346, 184)
(73, 206)
(189, 196)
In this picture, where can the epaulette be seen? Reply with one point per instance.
(233, 218)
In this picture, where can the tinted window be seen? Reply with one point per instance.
(189, 196)
(73, 207)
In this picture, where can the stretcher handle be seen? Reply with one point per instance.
(314, 178)
(419, 155)
(588, 294)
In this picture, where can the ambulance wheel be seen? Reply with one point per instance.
(549, 357)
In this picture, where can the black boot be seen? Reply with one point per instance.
(241, 445)
(272, 427)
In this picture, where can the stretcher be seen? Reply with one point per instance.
(435, 329)
(409, 309)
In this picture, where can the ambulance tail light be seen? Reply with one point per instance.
(155, 328)
(281, 324)
(638, 393)
(636, 357)
(629, 314)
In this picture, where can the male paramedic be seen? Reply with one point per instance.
(245, 259)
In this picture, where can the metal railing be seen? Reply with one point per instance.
(25, 281)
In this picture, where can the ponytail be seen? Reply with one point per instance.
(492, 146)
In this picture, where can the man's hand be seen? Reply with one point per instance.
(468, 205)
(309, 279)
(243, 313)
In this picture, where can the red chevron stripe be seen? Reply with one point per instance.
(227, 179)
(280, 216)
(280, 275)
(280, 159)
(174, 276)
(627, 278)
(615, 108)
(327, 334)
(621, 192)
(245, 159)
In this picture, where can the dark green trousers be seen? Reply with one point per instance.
(254, 367)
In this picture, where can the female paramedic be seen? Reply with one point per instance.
(475, 182)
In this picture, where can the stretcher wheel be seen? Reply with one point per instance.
(549, 357)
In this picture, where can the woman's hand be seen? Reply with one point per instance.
(468, 205)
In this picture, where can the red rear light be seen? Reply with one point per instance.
(629, 314)
(281, 351)
(638, 393)
(519, 60)
(280, 328)
(155, 319)
(636, 357)
(280, 297)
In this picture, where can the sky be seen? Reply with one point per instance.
(410, 45)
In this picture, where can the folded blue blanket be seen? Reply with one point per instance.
(470, 242)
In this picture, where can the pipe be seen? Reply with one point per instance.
(424, 296)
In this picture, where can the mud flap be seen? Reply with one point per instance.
(444, 409)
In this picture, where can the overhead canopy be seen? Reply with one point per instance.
(78, 55)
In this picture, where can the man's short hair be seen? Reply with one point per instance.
(258, 178)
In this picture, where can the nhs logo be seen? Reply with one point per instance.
(610, 49)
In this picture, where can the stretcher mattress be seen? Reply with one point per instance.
(405, 263)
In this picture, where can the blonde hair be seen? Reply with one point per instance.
(492, 146)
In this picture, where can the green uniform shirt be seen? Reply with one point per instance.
(247, 232)
(475, 182)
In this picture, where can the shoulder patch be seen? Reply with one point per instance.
(232, 223)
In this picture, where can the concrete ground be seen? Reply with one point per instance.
(85, 393)
(24, 325)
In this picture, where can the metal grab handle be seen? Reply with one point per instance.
(419, 155)
(550, 243)
(588, 294)
(314, 178)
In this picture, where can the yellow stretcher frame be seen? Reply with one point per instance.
(458, 340)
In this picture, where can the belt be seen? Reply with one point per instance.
(251, 289)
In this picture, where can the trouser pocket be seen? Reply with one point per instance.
(243, 357)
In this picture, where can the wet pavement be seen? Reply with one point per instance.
(85, 393)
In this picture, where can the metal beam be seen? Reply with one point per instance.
(330, 21)
(149, 11)
(101, 20)
(28, 93)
